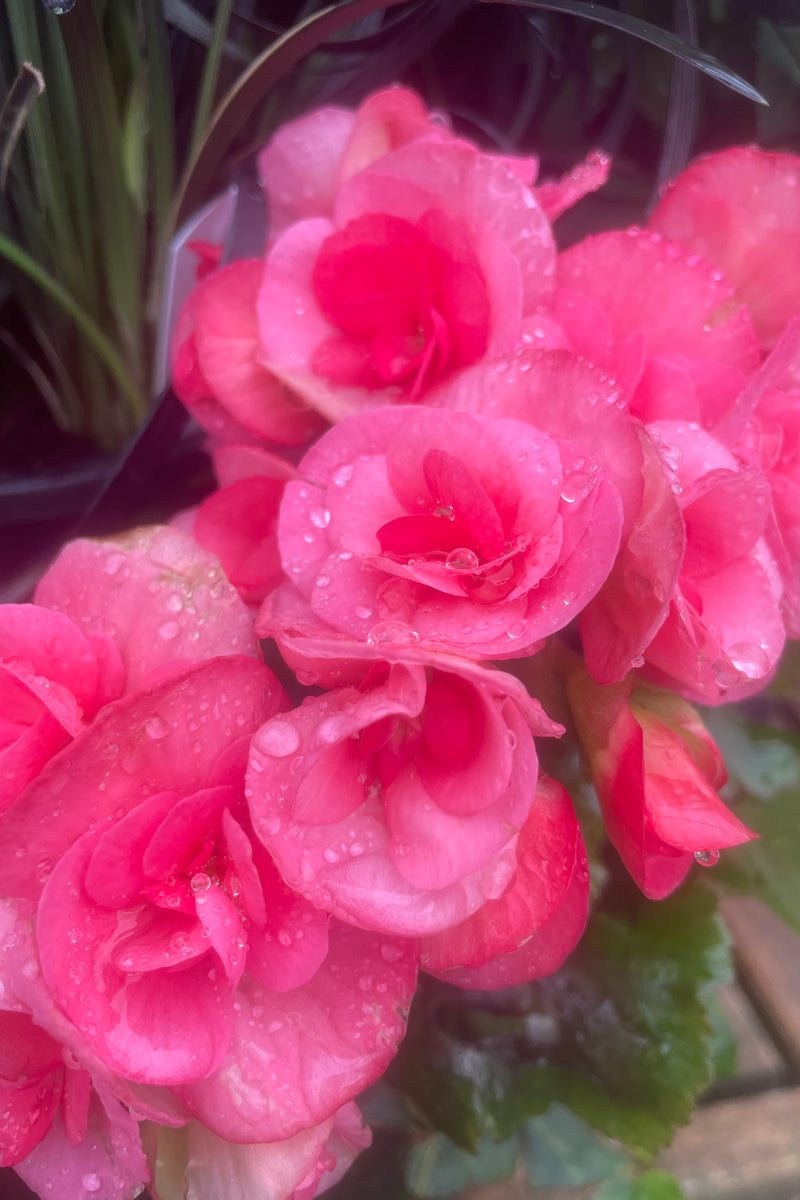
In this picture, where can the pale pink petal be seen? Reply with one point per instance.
(740, 209)
(291, 1068)
(157, 593)
(299, 167)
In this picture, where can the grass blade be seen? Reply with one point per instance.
(22, 95)
(94, 335)
(208, 84)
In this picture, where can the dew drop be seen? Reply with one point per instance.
(320, 517)
(342, 475)
(156, 728)
(392, 633)
(706, 858)
(169, 630)
(462, 559)
(277, 739)
(200, 882)
(175, 603)
(90, 1183)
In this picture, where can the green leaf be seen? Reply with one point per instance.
(437, 1167)
(632, 1017)
(764, 766)
(619, 1035)
(654, 1185)
(562, 1151)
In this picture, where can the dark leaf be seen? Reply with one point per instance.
(646, 32)
(436, 1167)
(22, 96)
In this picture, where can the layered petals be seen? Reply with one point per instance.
(395, 805)
(472, 532)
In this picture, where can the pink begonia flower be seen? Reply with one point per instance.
(661, 320)
(724, 633)
(573, 402)
(167, 937)
(432, 257)
(194, 1164)
(656, 771)
(158, 597)
(740, 209)
(477, 534)
(395, 803)
(216, 364)
(528, 931)
(53, 678)
(239, 522)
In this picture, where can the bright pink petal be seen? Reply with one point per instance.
(619, 623)
(556, 196)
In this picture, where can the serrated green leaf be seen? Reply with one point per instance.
(562, 1151)
(437, 1167)
(654, 1185)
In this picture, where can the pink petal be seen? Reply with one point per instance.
(550, 855)
(619, 623)
(229, 349)
(292, 1065)
(740, 209)
(157, 1027)
(299, 167)
(176, 734)
(677, 299)
(556, 196)
(160, 597)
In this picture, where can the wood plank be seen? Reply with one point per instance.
(768, 959)
(759, 1063)
(745, 1149)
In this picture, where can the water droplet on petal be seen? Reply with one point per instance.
(90, 1183)
(169, 630)
(277, 738)
(156, 728)
(342, 475)
(320, 517)
(462, 559)
(706, 858)
(200, 882)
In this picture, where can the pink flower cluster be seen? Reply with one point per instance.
(579, 470)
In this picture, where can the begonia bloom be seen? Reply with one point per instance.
(724, 633)
(166, 935)
(395, 804)
(656, 771)
(478, 534)
(433, 256)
